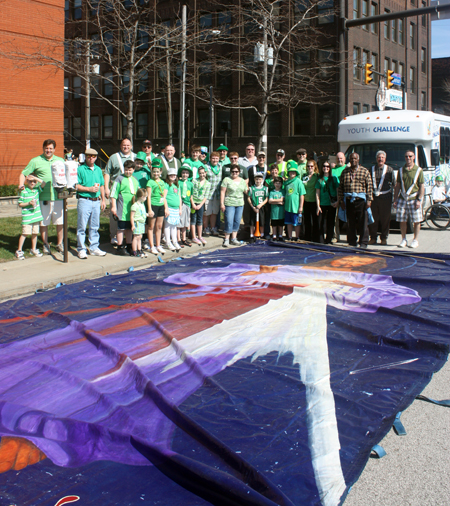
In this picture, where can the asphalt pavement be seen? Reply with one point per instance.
(416, 469)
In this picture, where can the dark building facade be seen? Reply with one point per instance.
(440, 102)
(400, 45)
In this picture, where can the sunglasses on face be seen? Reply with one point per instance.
(235, 172)
(326, 166)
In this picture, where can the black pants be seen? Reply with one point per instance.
(311, 221)
(357, 222)
(327, 219)
(381, 211)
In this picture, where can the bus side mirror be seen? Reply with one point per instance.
(435, 160)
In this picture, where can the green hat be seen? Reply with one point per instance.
(187, 167)
(221, 148)
(157, 163)
(292, 166)
(142, 156)
(439, 178)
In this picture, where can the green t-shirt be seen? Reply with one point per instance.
(200, 190)
(234, 195)
(89, 177)
(186, 188)
(30, 214)
(173, 196)
(327, 186)
(310, 187)
(194, 165)
(337, 171)
(408, 179)
(293, 190)
(258, 195)
(42, 168)
(123, 190)
(302, 169)
(157, 188)
(143, 176)
(276, 210)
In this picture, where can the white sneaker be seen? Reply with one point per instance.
(35, 252)
(170, 246)
(154, 251)
(97, 252)
(114, 241)
(414, 243)
(82, 254)
(403, 244)
(177, 246)
(226, 243)
(161, 249)
(146, 245)
(19, 255)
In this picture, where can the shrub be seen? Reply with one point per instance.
(9, 190)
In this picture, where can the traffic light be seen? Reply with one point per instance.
(368, 73)
(390, 79)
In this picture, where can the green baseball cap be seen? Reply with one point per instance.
(222, 148)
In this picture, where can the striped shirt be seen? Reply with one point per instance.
(30, 214)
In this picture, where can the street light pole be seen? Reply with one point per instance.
(87, 108)
(183, 79)
(265, 77)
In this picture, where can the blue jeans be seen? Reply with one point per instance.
(88, 214)
(233, 217)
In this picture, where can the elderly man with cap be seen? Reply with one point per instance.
(51, 207)
(223, 155)
(91, 200)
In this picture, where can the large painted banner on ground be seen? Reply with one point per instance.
(258, 376)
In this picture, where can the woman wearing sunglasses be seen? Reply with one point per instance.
(310, 218)
(326, 199)
(232, 204)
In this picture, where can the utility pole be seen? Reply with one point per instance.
(87, 102)
(265, 80)
(169, 90)
(183, 78)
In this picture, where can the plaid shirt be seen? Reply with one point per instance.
(358, 181)
(215, 180)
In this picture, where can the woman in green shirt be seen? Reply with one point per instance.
(310, 217)
(232, 204)
(326, 199)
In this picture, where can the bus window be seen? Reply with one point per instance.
(444, 143)
(422, 159)
(395, 153)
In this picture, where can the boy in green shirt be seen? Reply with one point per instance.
(31, 214)
(276, 201)
(293, 202)
(186, 187)
(257, 198)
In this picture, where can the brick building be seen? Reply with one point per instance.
(31, 104)
(400, 45)
(440, 102)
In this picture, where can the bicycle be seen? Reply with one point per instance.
(439, 215)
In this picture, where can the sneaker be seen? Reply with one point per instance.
(414, 243)
(177, 246)
(235, 242)
(146, 245)
(202, 240)
(196, 241)
(207, 231)
(59, 248)
(19, 255)
(154, 251)
(171, 246)
(114, 241)
(403, 244)
(47, 250)
(82, 254)
(97, 252)
(214, 231)
(142, 253)
(226, 243)
(35, 252)
(161, 250)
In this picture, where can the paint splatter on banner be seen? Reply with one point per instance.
(260, 376)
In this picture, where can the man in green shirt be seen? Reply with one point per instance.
(223, 155)
(51, 206)
(91, 200)
(302, 156)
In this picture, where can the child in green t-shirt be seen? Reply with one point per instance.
(293, 201)
(31, 214)
(257, 198)
(276, 201)
(186, 188)
(198, 199)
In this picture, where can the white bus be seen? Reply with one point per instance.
(425, 133)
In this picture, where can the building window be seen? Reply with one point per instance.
(423, 60)
(66, 88)
(374, 62)
(274, 124)
(365, 108)
(412, 36)
(249, 74)
(205, 74)
(423, 101)
(162, 79)
(401, 34)
(143, 81)
(163, 129)
(356, 11)
(95, 87)
(66, 128)
(77, 10)
(203, 122)
(302, 12)
(365, 58)
(76, 87)
(394, 30)
(302, 120)
(356, 62)
(325, 12)
(394, 66)
(223, 122)
(387, 63)
(374, 12)
(424, 16)
(326, 61)
(224, 22)
(412, 79)
(142, 125)
(224, 78)
(67, 10)
(325, 120)
(401, 70)
(108, 84)
(126, 82)
(250, 120)
(95, 123)
(76, 127)
(356, 108)
(107, 126)
(386, 26)
(365, 11)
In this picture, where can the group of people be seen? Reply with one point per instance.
(154, 194)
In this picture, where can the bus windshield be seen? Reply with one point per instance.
(395, 153)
